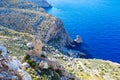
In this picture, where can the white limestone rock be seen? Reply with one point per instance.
(30, 45)
(44, 65)
(78, 39)
(11, 67)
(25, 65)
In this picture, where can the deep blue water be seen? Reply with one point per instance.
(96, 21)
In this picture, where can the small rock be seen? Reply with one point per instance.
(26, 65)
(44, 65)
(69, 64)
(78, 39)
(30, 45)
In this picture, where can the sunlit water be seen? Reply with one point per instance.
(96, 21)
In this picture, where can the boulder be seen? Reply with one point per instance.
(30, 45)
(78, 39)
(43, 65)
(25, 65)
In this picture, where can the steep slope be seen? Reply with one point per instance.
(18, 25)
(86, 69)
(91, 69)
(11, 68)
(26, 4)
(14, 41)
(47, 27)
(42, 67)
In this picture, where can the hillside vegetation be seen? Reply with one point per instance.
(40, 42)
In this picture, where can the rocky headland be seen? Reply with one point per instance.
(43, 48)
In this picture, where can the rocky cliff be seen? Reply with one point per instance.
(48, 28)
(86, 69)
(20, 22)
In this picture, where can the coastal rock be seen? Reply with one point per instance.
(78, 40)
(56, 34)
(50, 30)
(10, 67)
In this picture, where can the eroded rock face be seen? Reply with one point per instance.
(78, 39)
(11, 67)
(48, 28)
(56, 33)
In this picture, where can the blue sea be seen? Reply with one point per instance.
(96, 21)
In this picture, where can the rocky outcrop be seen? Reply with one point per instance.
(11, 67)
(49, 29)
(78, 39)
(43, 63)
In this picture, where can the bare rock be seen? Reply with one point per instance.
(3, 51)
(43, 65)
(25, 65)
(11, 67)
(78, 39)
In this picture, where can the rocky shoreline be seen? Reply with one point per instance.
(43, 47)
(49, 29)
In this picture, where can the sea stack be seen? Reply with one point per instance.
(78, 39)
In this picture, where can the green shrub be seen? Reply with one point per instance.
(59, 72)
(26, 57)
(55, 77)
(0, 52)
(101, 73)
(31, 62)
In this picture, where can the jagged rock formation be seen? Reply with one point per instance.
(49, 29)
(83, 68)
(78, 39)
(44, 58)
(43, 63)
(10, 68)
(22, 16)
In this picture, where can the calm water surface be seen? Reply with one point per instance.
(96, 21)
